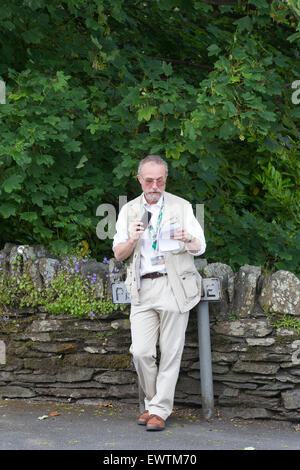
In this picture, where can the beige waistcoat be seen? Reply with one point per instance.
(183, 276)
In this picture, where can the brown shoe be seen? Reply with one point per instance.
(155, 423)
(143, 418)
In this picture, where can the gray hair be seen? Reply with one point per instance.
(155, 159)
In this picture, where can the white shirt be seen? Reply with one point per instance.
(147, 253)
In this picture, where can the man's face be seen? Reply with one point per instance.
(153, 181)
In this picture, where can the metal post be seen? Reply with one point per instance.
(207, 393)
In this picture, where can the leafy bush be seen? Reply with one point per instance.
(95, 86)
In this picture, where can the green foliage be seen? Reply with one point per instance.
(18, 292)
(93, 86)
(289, 322)
(69, 293)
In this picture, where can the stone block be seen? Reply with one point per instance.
(116, 377)
(74, 374)
(256, 368)
(48, 268)
(43, 326)
(281, 293)
(244, 328)
(291, 399)
(245, 290)
(14, 391)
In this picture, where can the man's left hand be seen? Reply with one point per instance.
(182, 235)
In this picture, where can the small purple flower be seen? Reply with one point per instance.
(105, 260)
(92, 313)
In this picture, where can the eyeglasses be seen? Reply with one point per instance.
(150, 181)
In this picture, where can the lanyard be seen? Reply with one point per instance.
(154, 233)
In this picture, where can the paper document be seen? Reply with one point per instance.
(166, 243)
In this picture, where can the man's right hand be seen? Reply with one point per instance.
(136, 230)
(124, 250)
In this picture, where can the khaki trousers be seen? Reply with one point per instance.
(157, 320)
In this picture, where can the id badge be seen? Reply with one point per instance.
(157, 260)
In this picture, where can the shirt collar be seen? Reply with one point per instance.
(158, 204)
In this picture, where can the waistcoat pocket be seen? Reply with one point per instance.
(190, 284)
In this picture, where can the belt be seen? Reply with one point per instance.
(153, 275)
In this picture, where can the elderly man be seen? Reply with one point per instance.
(160, 234)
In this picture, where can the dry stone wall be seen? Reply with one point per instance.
(255, 338)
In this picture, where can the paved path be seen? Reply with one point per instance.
(112, 427)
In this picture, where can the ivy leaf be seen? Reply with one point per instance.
(166, 108)
(156, 125)
(12, 183)
(33, 36)
(227, 130)
(230, 108)
(38, 199)
(244, 23)
(145, 113)
(29, 216)
(213, 49)
(7, 210)
(72, 146)
(167, 69)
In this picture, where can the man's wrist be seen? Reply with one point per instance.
(132, 241)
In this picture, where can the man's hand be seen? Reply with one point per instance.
(136, 230)
(193, 244)
(124, 250)
(182, 235)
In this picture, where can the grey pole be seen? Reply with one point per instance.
(207, 394)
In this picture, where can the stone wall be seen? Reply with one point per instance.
(256, 360)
